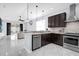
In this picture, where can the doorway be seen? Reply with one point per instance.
(21, 27)
(8, 28)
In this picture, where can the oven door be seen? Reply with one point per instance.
(71, 40)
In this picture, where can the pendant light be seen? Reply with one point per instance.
(30, 21)
(36, 12)
(20, 19)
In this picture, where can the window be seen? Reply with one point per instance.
(40, 25)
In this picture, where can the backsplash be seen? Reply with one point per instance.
(57, 30)
(72, 27)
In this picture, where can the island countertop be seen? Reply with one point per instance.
(43, 32)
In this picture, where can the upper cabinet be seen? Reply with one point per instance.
(57, 20)
(51, 21)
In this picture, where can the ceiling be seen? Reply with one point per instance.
(12, 11)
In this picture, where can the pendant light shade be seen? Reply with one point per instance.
(20, 18)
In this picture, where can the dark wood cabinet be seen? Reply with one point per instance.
(49, 22)
(40, 40)
(45, 39)
(57, 20)
(57, 39)
(62, 20)
(52, 38)
(60, 41)
(52, 21)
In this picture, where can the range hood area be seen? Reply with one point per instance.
(72, 16)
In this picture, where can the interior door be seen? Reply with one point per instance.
(8, 28)
(21, 27)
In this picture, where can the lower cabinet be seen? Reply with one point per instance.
(45, 39)
(40, 40)
(52, 38)
(57, 39)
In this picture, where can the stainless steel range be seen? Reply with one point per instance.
(71, 41)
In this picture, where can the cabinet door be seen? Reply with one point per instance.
(57, 39)
(53, 21)
(45, 39)
(48, 38)
(54, 38)
(49, 21)
(56, 20)
(62, 19)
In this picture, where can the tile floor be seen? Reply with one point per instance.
(10, 47)
(53, 50)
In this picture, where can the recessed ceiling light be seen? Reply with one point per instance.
(36, 5)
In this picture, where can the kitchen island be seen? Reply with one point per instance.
(28, 39)
(40, 39)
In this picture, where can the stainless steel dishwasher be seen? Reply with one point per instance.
(36, 41)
